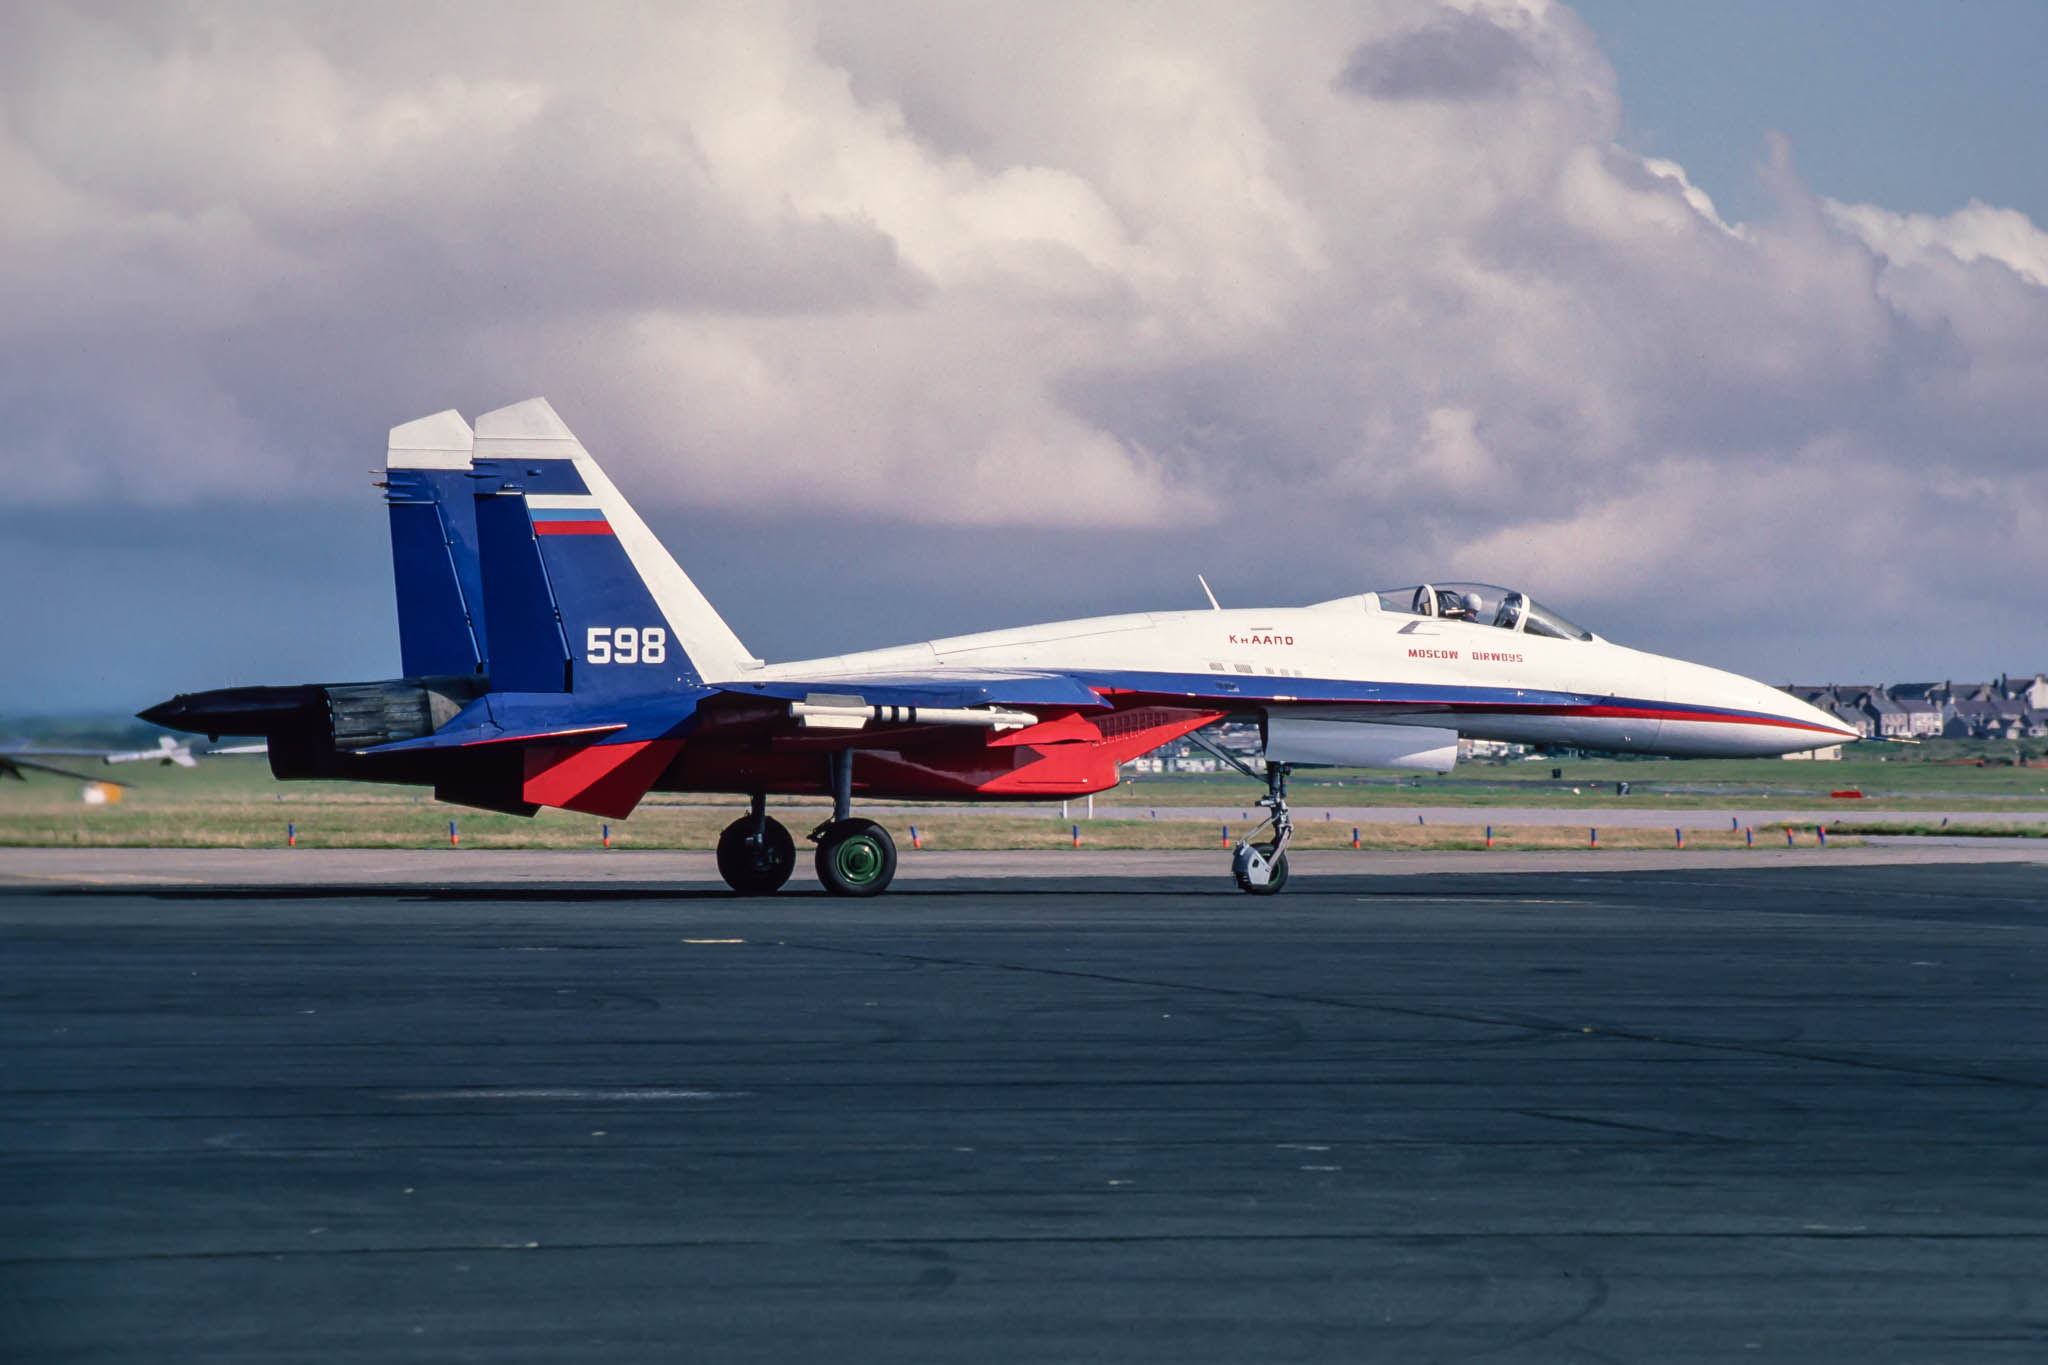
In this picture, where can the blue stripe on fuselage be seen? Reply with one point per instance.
(1450, 699)
(1236, 689)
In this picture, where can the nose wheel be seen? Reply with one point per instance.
(1260, 865)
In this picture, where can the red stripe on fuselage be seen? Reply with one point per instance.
(1616, 713)
(1713, 717)
(572, 528)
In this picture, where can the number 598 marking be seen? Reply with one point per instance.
(625, 645)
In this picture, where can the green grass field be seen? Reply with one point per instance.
(1676, 783)
(220, 811)
(234, 802)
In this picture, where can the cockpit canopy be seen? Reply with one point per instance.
(1482, 604)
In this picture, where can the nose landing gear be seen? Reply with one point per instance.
(1260, 867)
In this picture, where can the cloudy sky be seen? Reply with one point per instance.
(1722, 328)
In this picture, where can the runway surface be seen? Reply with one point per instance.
(665, 870)
(1764, 1112)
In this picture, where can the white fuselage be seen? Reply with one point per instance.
(1349, 659)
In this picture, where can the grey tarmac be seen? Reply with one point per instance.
(669, 869)
(1720, 1110)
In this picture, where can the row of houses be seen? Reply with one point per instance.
(2015, 706)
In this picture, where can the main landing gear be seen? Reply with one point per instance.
(854, 857)
(1260, 867)
(755, 853)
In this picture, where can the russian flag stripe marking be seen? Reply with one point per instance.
(569, 521)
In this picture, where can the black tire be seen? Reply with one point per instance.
(756, 867)
(856, 858)
(1273, 883)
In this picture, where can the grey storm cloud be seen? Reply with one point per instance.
(1457, 55)
(1149, 285)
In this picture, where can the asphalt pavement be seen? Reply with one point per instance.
(1719, 1112)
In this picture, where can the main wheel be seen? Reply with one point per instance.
(1274, 882)
(856, 858)
(756, 866)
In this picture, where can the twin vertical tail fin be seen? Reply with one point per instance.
(434, 559)
(537, 544)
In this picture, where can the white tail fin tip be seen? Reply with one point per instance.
(442, 441)
(533, 420)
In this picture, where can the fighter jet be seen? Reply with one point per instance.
(556, 655)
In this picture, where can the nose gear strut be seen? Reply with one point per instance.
(1261, 867)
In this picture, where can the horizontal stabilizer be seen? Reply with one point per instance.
(596, 779)
(470, 737)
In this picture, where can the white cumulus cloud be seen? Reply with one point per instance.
(1045, 265)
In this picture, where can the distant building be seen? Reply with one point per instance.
(1848, 714)
(1889, 720)
(2031, 690)
(1829, 754)
(1923, 717)
(1971, 718)
(1488, 748)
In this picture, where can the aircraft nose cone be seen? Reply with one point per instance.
(1808, 714)
(165, 713)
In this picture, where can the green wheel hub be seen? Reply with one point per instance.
(855, 858)
(858, 859)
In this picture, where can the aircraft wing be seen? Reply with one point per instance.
(601, 760)
(454, 736)
(950, 690)
(12, 762)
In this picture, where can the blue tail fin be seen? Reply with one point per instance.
(579, 594)
(434, 548)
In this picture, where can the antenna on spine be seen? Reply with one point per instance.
(1213, 603)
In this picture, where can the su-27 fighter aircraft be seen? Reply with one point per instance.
(556, 655)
